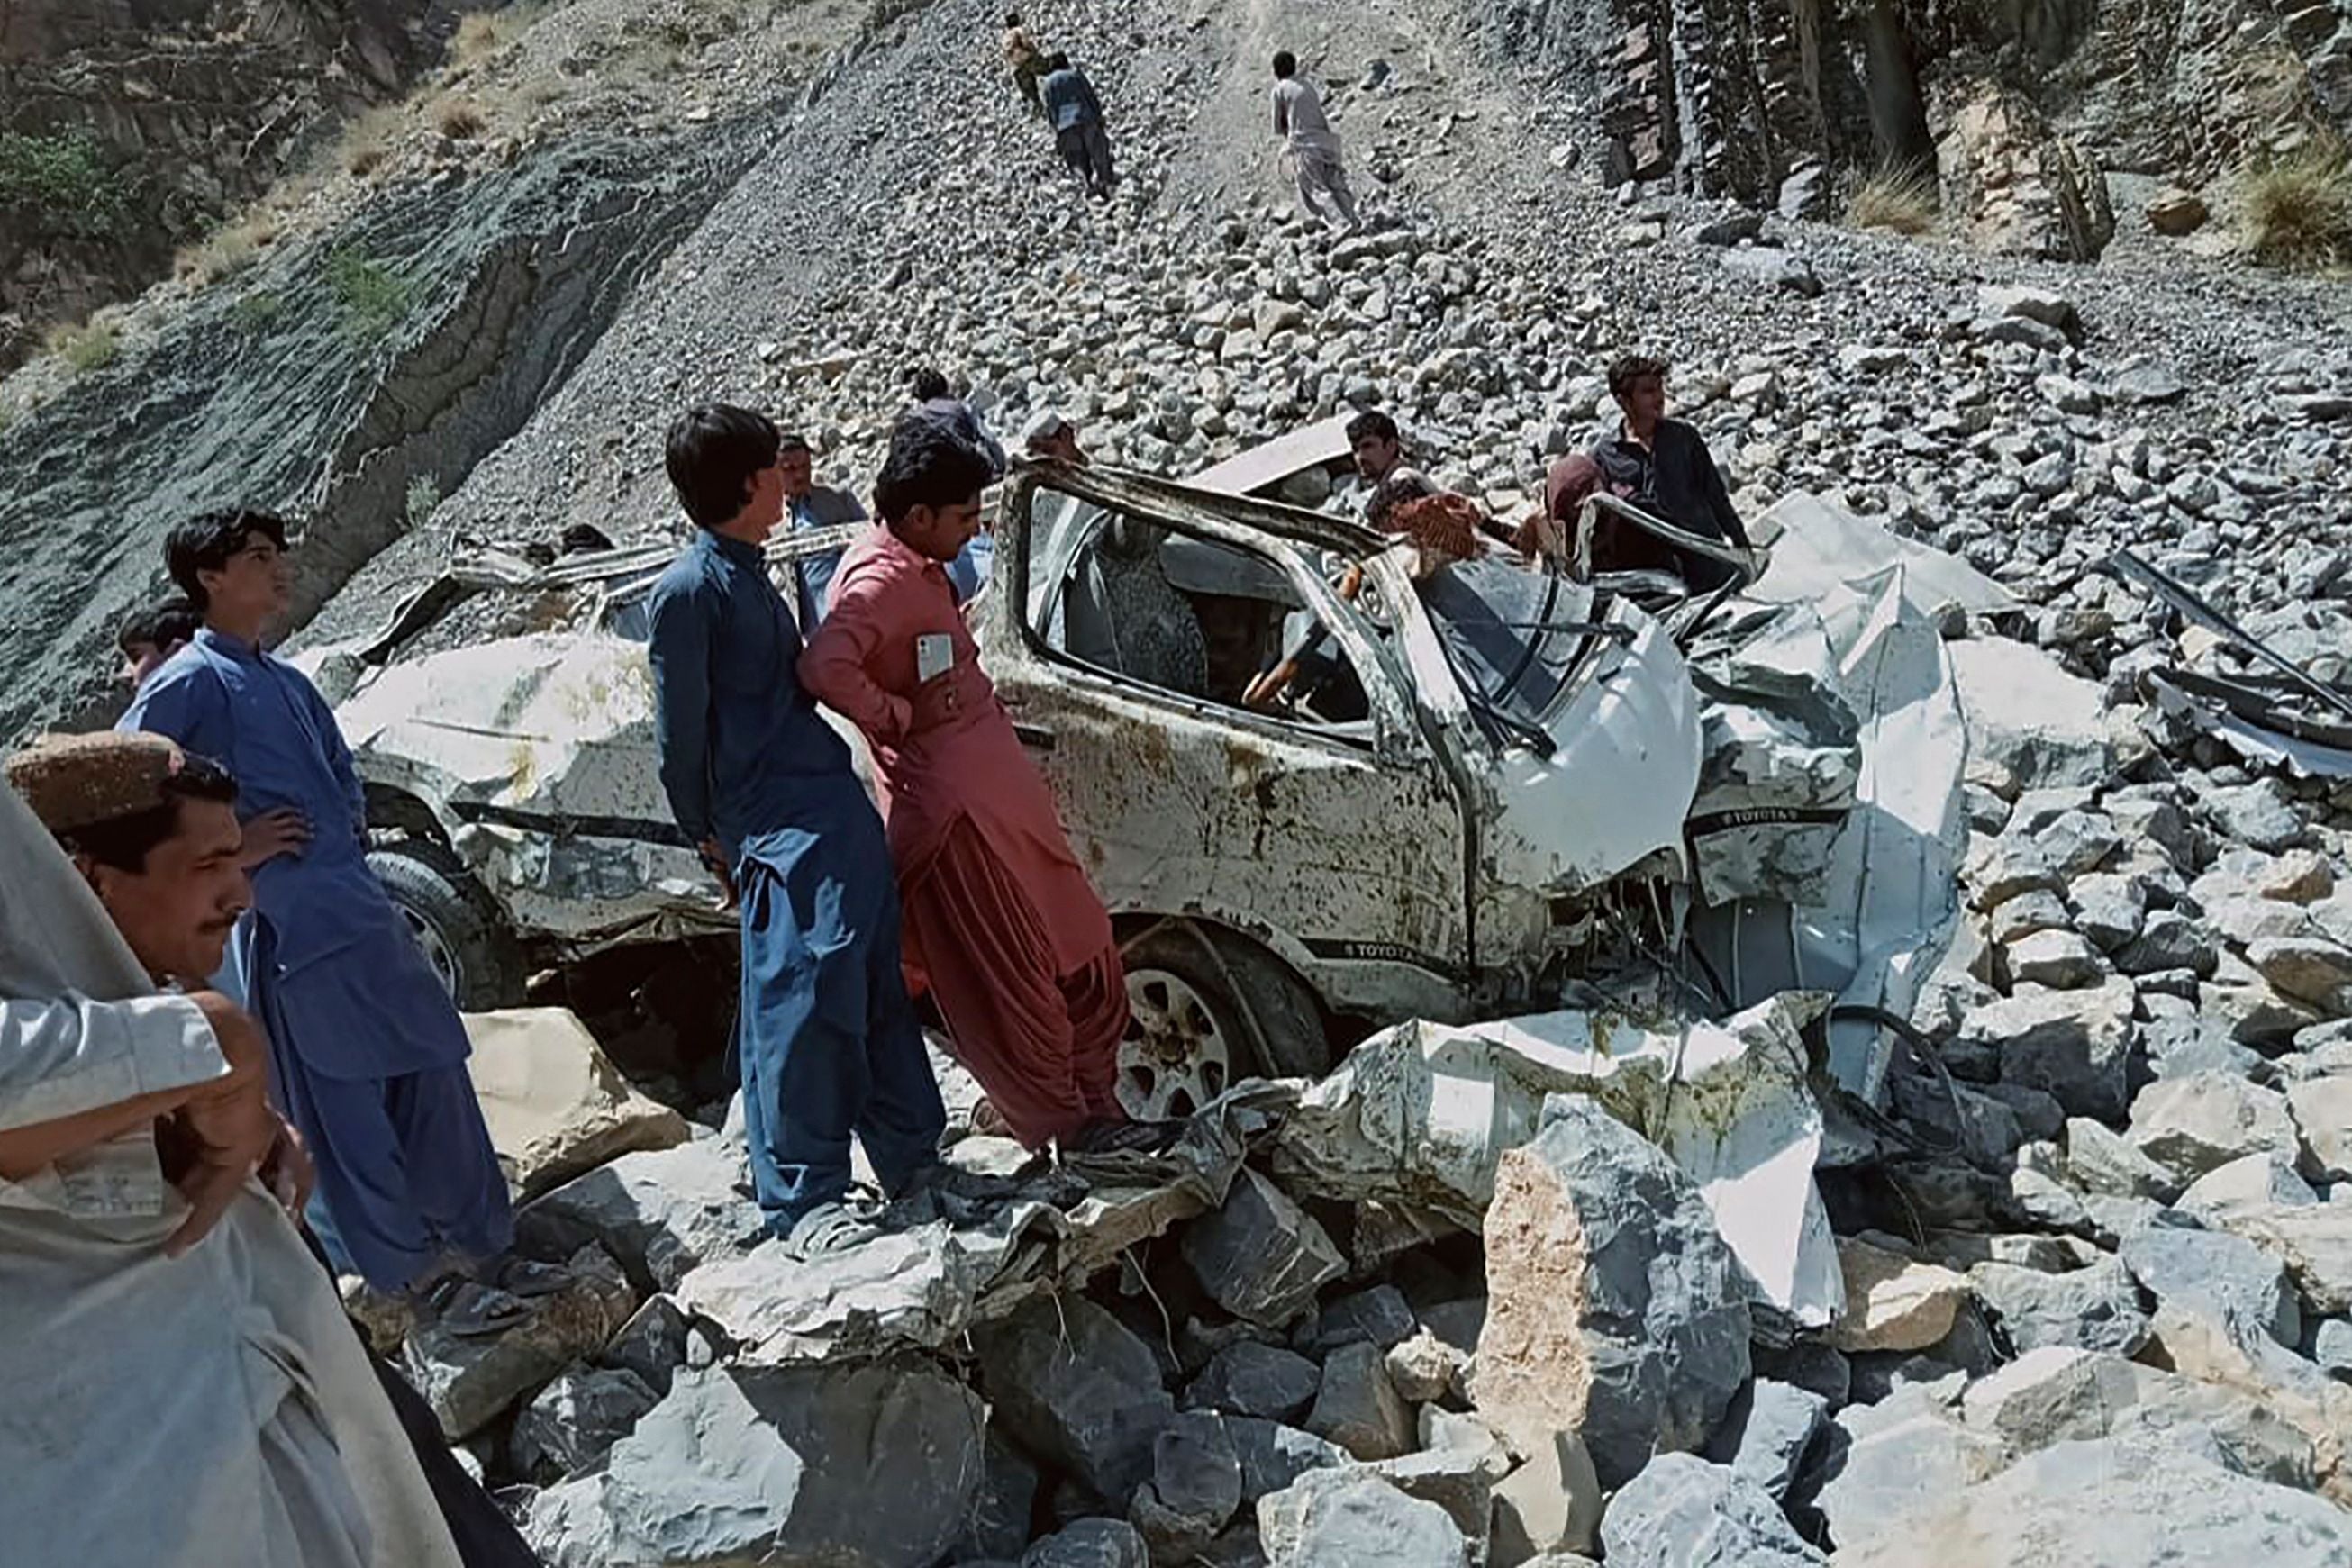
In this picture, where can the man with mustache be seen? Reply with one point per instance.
(183, 1388)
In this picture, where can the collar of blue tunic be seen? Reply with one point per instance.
(236, 648)
(736, 551)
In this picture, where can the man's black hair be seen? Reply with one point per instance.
(1286, 64)
(584, 538)
(206, 541)
(712, 452)
(926, 383)
(1371, 423)
(793, 441)
(1390, 494)
(124, 842)
(1013, 18)
(160, 626)
(1627, 369)
(1057, 61)
(929, 466)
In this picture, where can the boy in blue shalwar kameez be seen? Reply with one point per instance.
(763, 785)
(367, 1051)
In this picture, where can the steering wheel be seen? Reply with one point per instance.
(1266, 690)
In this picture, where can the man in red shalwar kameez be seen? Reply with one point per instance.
(1000, 919)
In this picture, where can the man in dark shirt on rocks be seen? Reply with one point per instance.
(1662, 466)
(762, 785)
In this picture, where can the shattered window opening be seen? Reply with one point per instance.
(1150, 603)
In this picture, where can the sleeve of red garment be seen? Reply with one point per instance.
(834, 665)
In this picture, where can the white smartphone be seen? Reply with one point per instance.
(934, 656)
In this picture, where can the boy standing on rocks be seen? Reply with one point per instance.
(367, 1051)
(1001, 919)
(760, 781)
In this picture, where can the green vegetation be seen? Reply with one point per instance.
(59, 187)
(1897, 198)
(423, 494)
(85, 347)
(370, 296)
(2299, 207)
(257, 309)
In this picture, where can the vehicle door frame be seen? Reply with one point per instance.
(1405, 731)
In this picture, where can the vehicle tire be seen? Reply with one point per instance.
(1208, 1009)
(463, 935)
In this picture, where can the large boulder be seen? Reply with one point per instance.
(2201, 1121)
(2116, 1502)
(2072, 1045)
(872, 1466)
(1252, 1379)
(577, 1418)
(2055, 1395)
(1090, 1543)
(1893, 1302)
(1769, 1433)
(1260, 1256)
(1359, 1408)
(1614, 1310)
(1072, 1386)
(660, 1213)
(1683, 1513)
(1353, 1519)
(2212, 1270)
(555, 1105)
(2097, 1308)
(2027, 718)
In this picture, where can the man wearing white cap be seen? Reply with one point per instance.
(1049, 435)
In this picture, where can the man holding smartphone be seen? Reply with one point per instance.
(756, 777)
(1001, 920)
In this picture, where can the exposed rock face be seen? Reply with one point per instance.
(274, 392)
(187, 109)
(1761, 99)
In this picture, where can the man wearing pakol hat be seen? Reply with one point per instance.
(182, 1388)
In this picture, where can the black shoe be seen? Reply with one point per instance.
(1118, 1137)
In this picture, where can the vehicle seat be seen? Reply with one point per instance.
(1123, 614)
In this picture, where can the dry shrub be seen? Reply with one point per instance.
(480, 34)
(1897, 198)
(229, 249)
(2299, 206)
(459, 118)
(85, 347)
(368, 141)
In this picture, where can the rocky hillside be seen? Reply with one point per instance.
(410, 327)
(131, 130)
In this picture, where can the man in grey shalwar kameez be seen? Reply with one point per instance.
(1314, 147)
(162, 1411)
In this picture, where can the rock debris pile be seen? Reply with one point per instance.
(2089, 1295)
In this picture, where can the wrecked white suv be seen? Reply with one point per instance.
(1489, 779)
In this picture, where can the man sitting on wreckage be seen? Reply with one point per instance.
(182, 1390)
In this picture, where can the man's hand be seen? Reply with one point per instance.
(287, 1171)
(285, 831)
(714, 859)
(227, 1129)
